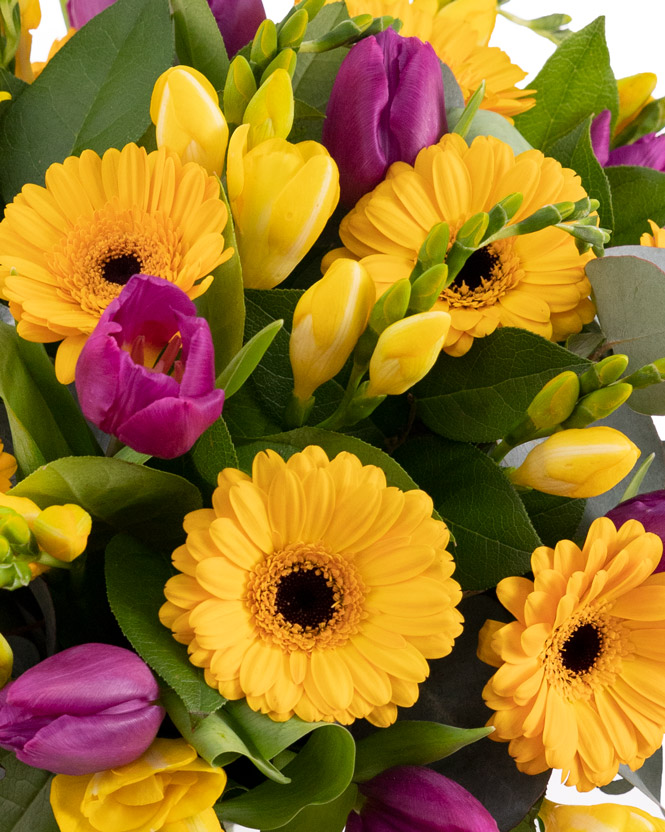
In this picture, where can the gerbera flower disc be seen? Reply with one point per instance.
(535, 281)
(582, 669)
(313, 588)
(67, 249)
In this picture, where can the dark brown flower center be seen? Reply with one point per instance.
(305, 597)
(119, 268)
(581, 649)
(478, 267)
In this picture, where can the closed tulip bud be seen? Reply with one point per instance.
(281, 196)
(603, 817)
(578, 463)
(405, 352)
(386, 105)
(555, 402)
(62, 531)
(649, 510)
(327, 323)
(185, 111)
(604, 372)
(6, 661)
(598, 405)
(270, 112)
(88, 708)
(239, 87)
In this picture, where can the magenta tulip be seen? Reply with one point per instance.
(238, 21)
(81, 11)
(649, 509)
(420, 800)
(158, 407)
(86, 709)
(386, 104)
(648, 151)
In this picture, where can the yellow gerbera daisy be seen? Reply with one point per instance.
(457, 37)
(535, 281)
(313, 588)
(67, 249)
(7, 469)
(582, 669)
(657, 237)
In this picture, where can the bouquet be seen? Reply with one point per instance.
(329, 487)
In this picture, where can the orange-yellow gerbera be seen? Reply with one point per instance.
(314, 589)
(458, 36)
(67, 249)
(535, 281)
(7, 468)
(657, 237)
(582, 669)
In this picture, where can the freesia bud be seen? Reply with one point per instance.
(555, 402)
(293, 30)
(281, 196)
(598, 404)
(239, 87)
(270, 112)
(264, 45)
(405, 352)
(6, 661)
(238, 21)
(386, 104)
(327, 322)
(82, 710)
(185, 111)
(420, 800)
(603, 817)
(147, 372)
(582, 462)
(604, 372)
(649, 510)
(286, 59)
(62, 531)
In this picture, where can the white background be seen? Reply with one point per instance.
(635, 38)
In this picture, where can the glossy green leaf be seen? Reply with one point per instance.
(24, 797)
(316, 72)
(245, 417)
(12, 84)
(480, 396)
(488, 123)
(410, 743)
(640, 193)
(320, 773)
(494, 535)
(243, 363)
(212, 452)
(554, 518)
(565, 97)
(130, 498)
(135, 578)
(94, 93)
(198, 41)
(327, 817)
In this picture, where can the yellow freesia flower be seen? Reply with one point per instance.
(31, 16)
(634, 95)
(60, 531)
(604, 817)
(168, 789)
(271, 109)
(6, 661)
(281, 196)
(580, 462)
(7, 468)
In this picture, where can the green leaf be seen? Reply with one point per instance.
(223, 304)
(576, 82)
(131, 498)
(641, 194)
(554, 518)
(574, 150)
(494, 535)
(622, 281)
(316, 72)
(488, 123)
(243, 363)
(307, 123)
(480, 396)
(212, 452)
(12, 84)
(648, 777)
(24, 797)
(410, 743)
(320, 773)
(94, 93)
(135, 578)
(198, 41)
(327, 817)
(245, 418)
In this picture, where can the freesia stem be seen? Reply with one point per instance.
(337, 419)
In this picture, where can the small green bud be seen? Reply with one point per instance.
(473, 231)
(15, 575)
(598, 405)
(345, 33)
(468, 113)
(312, 7)
(511, 204)
(239, 89)
(433, 250)
(286, 59)
(5, 549)
(555, 402)
(427, 288)
(380, 24)
(391, 306)
(544, 217)
(264, 45)
(14, 529)
(650, 374)
(603, 373)
(293, 31)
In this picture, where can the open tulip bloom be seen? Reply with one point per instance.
(329, 493)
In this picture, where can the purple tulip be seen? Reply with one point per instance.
(81, 11)
(649, 510)
(86, 709)
(386, 104)
(420, 800)
(648, 151)
(146, 408)
(238, 21)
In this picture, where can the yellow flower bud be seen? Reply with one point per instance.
(168, 788)
(22, 505)
(281, 196)
(62, 531)
(270, 112)
(6, 661)
(555, 402)
(327, 322)
(185, 111)
(603, 817)
(239, 87)
(581, 462)
(634, 94)
(7, 468)
(405, 352)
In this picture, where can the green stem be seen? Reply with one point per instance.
(498, 452)
(336, 420)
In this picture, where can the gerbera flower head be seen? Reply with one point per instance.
(582, 669)
(313, 588)
(535, 281)
(67, 249)
(657, 237)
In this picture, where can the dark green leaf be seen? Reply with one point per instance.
(574, 151)
(648, 777)
(328, 817)
(575, 82)
(410, 743)
(94, 93)
(650, 119)
(135, 578)
(554, 518)
(320, 773)
(24, 797)
(212, 452)
(494, 535)
(244, 362)
(316, 72)
(131, 498)
(586, 343)
(198, 40)
(617, 787)
(307, 123)
(245, 418)
(12, 84)
(480, 396)
(641, 194)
